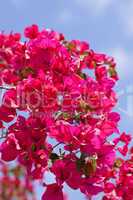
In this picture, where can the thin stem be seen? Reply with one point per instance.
(5, 88)
(57, 145)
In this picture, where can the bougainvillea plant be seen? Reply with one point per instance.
(57, 116)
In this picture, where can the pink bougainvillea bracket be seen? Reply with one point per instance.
(57, 116)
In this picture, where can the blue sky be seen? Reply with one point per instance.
(106, 24)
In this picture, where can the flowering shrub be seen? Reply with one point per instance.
(56, 115)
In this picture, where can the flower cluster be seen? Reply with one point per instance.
(119, 184)
(57, 114)
(14, 183)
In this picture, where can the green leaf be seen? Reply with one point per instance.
(112, 71)
(81, 162)
(83, 75)
(54, 157)
(33, 147)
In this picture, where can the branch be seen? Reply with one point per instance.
(4, 88)
(57, 145)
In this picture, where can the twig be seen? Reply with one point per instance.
(5, 88)
(56, 145)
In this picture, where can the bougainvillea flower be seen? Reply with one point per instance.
(9, 150)
(53, 191)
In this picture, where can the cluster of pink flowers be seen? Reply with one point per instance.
(57, 115)
(15, 184)
(119, 183)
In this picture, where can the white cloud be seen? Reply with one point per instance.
(95, 6)
(125, 12)
(65, 16)
(123, 9)
(124, 62)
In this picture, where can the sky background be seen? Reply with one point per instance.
(106, 24)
